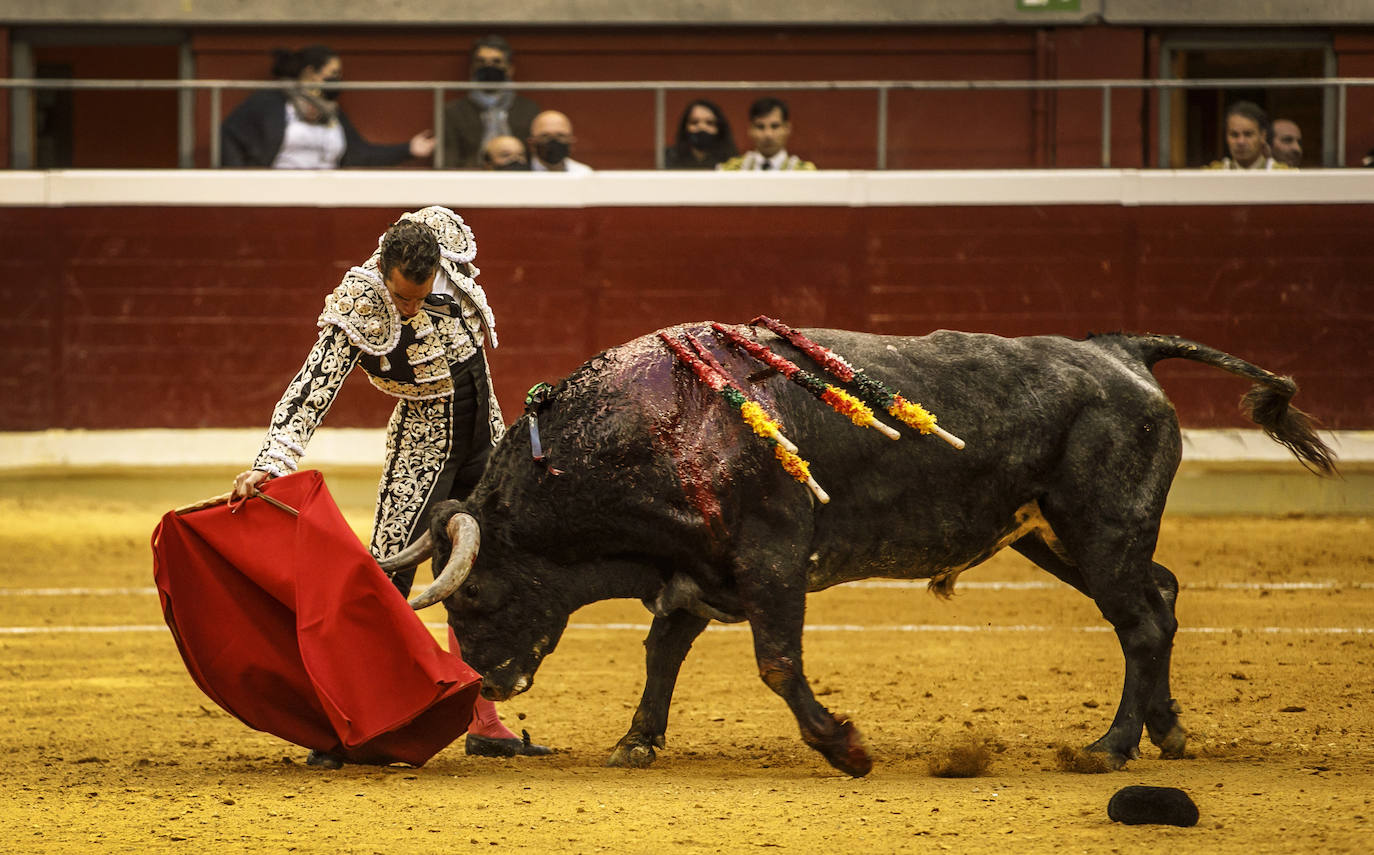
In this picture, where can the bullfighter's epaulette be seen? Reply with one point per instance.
(362, 308)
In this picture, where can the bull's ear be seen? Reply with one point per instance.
(439, 519)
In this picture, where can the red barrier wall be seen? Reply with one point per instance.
(196, 317)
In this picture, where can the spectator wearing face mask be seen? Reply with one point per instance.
(551, 141)
(484, 114)
(302, 127)
(703, 138)
(505, 154)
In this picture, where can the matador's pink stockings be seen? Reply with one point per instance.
(485, 721)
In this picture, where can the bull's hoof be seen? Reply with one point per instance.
(1174, 743)
(323, 759)
(632, 755)
(1167, 734)
(846, 751)
(1089, 761)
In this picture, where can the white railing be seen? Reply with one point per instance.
(1335, 88)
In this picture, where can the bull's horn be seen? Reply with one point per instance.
(409, 557)
(466, 536)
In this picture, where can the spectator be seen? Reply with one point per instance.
(1247, 135)
(551, 141)
(505, 154)
(1286, 143)
(703, 138)
(770, 126)
(302, 127)
(472, 122)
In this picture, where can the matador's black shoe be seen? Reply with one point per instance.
(490, 746)
(323, 759)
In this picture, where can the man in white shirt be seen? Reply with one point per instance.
(770, 127)
(551, 141)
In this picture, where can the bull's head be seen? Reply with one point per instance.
(506, 626)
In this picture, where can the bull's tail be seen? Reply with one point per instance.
(1267, 404)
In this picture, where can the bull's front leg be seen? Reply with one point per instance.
(776, 615)
(665, 648)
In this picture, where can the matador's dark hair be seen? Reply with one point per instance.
(411, 248)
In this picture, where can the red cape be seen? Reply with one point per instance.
(288, 623)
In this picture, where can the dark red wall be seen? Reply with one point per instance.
(1355, 58)
(197, 317)
(119, 128)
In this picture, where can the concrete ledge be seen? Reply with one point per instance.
(649, 188)
(1224, 472)
(683, 12)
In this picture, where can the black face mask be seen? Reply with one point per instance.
(553, 151)
(331, 94)
(701, 139)
(489, 74)
(513, 166)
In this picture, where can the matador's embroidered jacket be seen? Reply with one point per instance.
(420, 360)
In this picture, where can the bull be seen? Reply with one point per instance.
(651, 488)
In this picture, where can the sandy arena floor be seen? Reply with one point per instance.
(109, 746)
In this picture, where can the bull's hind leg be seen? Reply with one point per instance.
(1118, 574)
(1161, 717)
(1161, 712)
(776, 615)
(664, 650)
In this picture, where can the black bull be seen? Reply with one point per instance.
(653, 488)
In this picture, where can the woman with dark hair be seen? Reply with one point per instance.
(302, 127)
(703, 138)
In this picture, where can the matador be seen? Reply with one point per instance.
(416, 321)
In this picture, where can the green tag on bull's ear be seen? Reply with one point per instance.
(534, 399)
(538, 394)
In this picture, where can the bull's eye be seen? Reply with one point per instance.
(470, 590)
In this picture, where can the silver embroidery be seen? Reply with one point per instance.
(419, 437)
(307, 398)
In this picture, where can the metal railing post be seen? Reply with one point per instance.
(21, 108)
(215, 109)
(660, 125)
(439, 127)
(1106, 127)
(882, 127)
(186, 109)
(1340, 125)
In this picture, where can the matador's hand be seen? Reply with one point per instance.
(246, 484)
